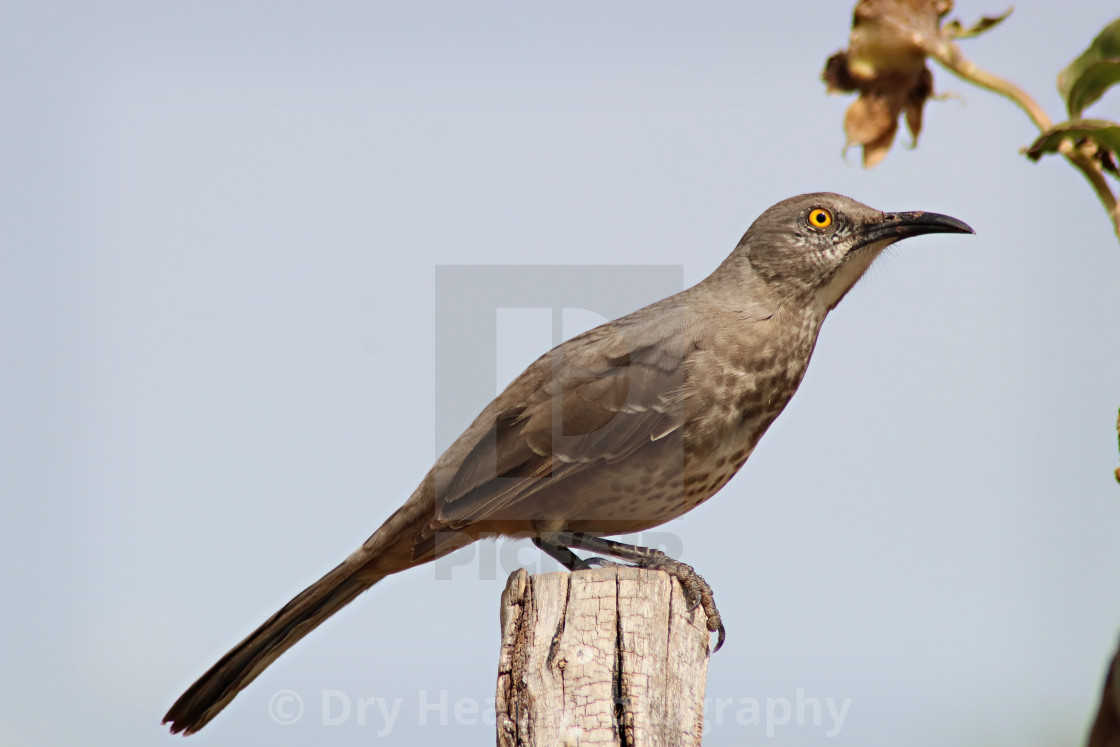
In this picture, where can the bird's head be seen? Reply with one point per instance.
(814, 247)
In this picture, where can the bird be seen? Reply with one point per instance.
(617, 430)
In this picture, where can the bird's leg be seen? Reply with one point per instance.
(696, 589)
(561, 555)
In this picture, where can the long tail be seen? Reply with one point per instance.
(214, 690)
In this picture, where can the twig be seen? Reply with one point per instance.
(949, 55)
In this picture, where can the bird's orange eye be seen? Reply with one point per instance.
(820, 218)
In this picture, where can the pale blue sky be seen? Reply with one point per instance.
(221, 224)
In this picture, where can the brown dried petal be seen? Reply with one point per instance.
(836, 75)
(871, 121)
(915, 101)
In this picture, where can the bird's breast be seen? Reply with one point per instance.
(735, 390)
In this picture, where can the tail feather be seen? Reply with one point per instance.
(214, 690)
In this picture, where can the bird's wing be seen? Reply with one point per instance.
(596, 398)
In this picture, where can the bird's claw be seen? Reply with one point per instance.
(596, 562)
(697, 592)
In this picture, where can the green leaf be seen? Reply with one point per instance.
(1104, 133)
(1094, 81)
(956, 30)
(1094, 72)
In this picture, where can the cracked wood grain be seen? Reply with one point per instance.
(610, 656)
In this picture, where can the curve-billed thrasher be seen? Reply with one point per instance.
(617, 430)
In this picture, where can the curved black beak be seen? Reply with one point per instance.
(904, 225)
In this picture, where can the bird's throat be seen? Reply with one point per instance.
(848, 274)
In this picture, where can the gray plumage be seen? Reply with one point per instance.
(620, 429)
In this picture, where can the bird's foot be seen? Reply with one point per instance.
(697, 591)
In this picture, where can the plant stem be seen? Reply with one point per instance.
(949, 55)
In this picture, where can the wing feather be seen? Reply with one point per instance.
(595, 399)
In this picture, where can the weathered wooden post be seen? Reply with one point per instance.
(609, 656)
